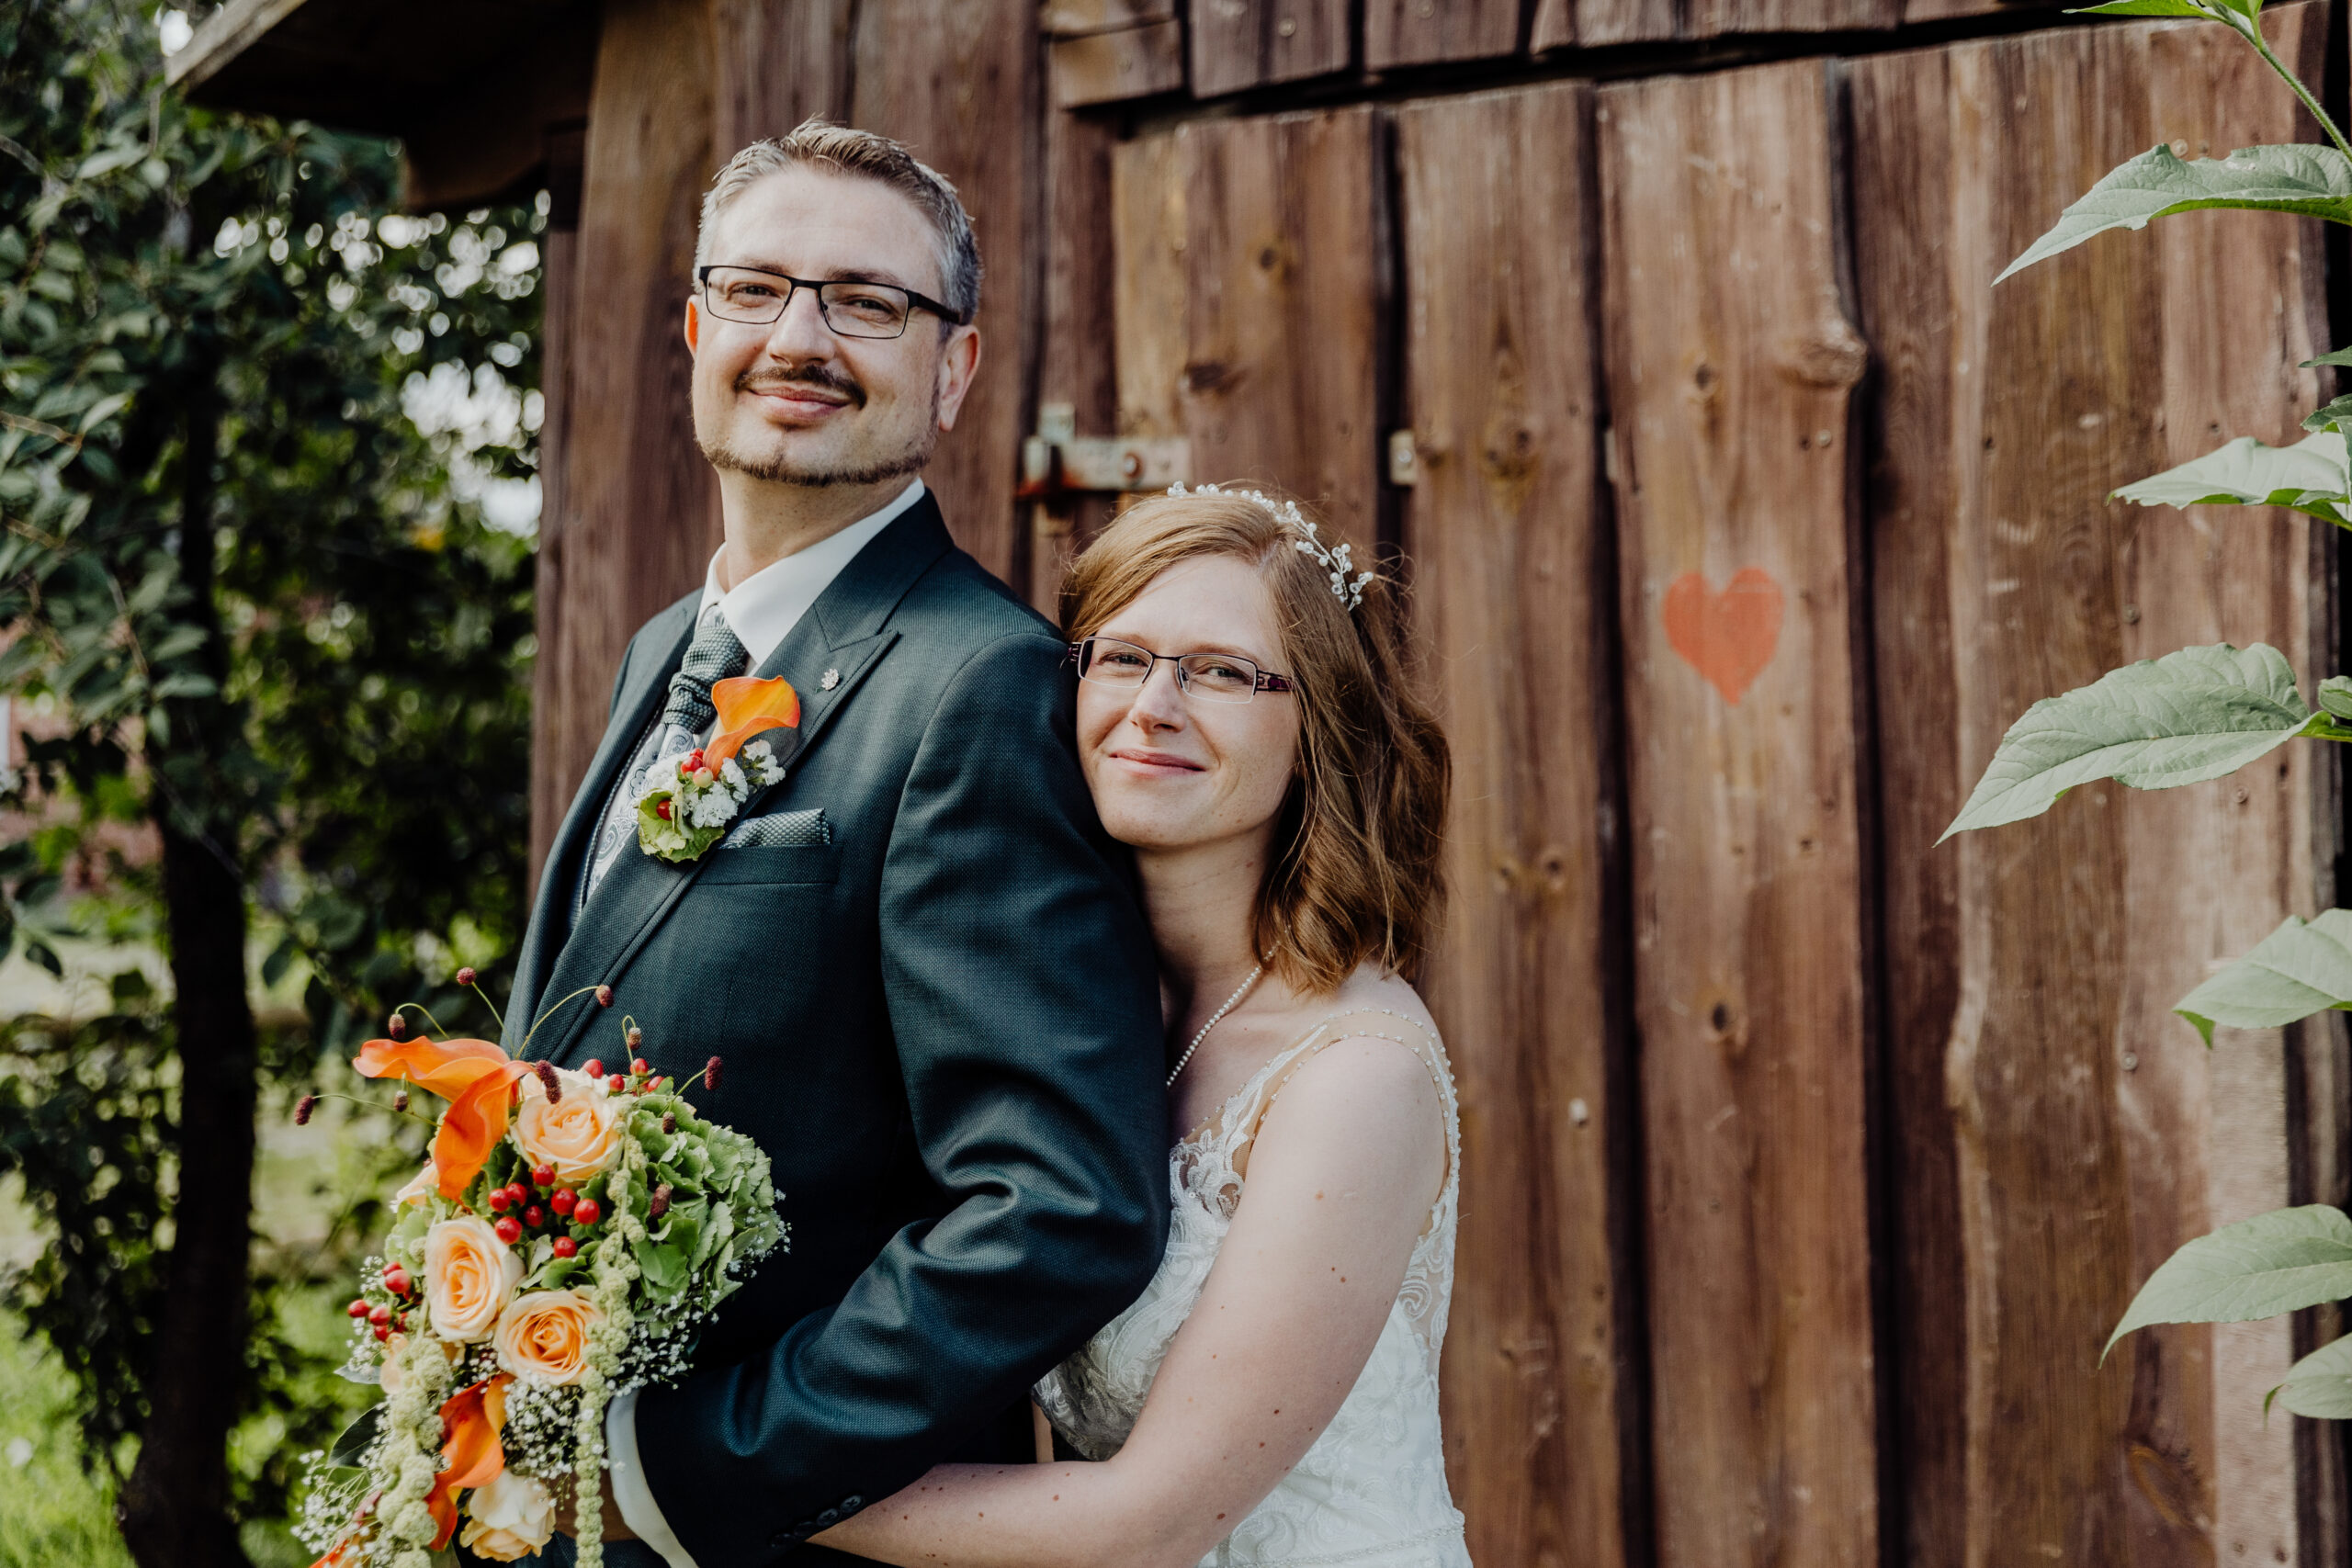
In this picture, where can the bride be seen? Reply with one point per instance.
(1272, 1399)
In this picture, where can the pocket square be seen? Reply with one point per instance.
(782, 830)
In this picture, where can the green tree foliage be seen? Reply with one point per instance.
(283, 650)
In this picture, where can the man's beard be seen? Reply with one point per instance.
(780, 469)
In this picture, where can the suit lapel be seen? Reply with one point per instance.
(843, 635)
(559, 879)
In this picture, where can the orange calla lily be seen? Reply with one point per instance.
(747, 705)
(447, 1068)
(472, 1126)
(471, 1422)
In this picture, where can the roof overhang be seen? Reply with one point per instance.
(471, 87)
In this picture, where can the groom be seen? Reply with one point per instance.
(916, 956)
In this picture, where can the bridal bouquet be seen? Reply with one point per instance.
(566, 1240)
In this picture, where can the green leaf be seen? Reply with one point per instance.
(2298, 970)
(2319, 1384)
(2316, 182)
(352, 1447)
(2273, 1263)
(2333, 356)
(2184, 719)
(664, 1266)
(2310, 477)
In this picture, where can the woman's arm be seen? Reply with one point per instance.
(1340, 1182)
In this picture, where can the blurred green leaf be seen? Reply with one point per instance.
(2274, 1263)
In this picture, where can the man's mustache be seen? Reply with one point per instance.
(815, 375)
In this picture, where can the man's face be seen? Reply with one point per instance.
(792, 401)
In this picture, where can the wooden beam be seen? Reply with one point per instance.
(1108, 68)
(1254, 43)
(1731, 367)
(221, 37)
(1512, 587)
(1419, 32)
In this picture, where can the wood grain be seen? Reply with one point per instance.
(1563, 24)
(1709, 18)
(774, 65)
(1513, 591)
(1420, 32)
(634, 513)
(1254, 43)
(1265, 348)
(1104, 68)
(1075, 365)
(2087, 1131)
(1731, 369)
(958, 84)
(558, 758)
(1076, 18)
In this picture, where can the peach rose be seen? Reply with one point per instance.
(578, 1134)
(468, 1274)
(545, 1334)
(511, 1518)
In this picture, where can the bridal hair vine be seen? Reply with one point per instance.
(1337, 560)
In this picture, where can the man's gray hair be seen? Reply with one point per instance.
(861, 154)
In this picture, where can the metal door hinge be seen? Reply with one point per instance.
(1057, 461)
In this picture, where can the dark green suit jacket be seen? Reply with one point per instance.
(943, 1026)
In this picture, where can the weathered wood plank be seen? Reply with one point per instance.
(1514, 618)
(1417, 32)
(1104, 68)
(775, 65)
(2090, 1132)
(1253, 43)
(1266, 349)
(1902, 200)
(1708, 18)
(1731, 368)
(1564, 24)
(1076, 18)
(634, 514)
(557, 758)
(958, 84)
(1075, 364)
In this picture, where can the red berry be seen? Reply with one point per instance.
(358, 1308)
(640, 1067)
(535, 1216)
(694, 758)
(563, 1199)
(520, 1193)
(509, 1229)
(594, 1067)
(587, 1212)
(566, 1248)
(383, 1331)
(661, 809)
(501, 1200)
(396, 1279)
(379, 1313)
(543, 1176)
(617, 1083)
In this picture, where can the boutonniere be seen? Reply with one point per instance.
(685, 808)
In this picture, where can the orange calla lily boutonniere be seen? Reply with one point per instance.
(687, 809)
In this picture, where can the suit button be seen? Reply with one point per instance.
(829, 1518)
(783, 1538)
(852, 1503)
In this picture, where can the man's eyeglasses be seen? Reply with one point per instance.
(1212, 677)
(851, 309)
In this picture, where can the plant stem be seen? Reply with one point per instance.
(582, 991)
(493, 1006)
(427, 1013)
(373, 1105)
(2250, 28)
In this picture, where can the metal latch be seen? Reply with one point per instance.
(1057, 461)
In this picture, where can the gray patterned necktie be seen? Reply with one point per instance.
(712, 657)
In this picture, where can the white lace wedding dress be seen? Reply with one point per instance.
(1372, 1492)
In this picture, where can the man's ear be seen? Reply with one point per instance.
(694, 323)
(959, 364)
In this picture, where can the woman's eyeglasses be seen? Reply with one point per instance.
(1212, 677)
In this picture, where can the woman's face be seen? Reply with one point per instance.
(1171, 770)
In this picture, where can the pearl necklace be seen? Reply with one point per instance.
(1230, 1003)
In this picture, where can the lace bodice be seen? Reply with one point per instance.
(1372, 1492)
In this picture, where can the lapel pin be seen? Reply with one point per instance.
(831, 679)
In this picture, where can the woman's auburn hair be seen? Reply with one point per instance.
(1355, 872)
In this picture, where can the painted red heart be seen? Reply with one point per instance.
(1728, 638)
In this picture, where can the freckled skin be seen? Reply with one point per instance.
(1194, 787)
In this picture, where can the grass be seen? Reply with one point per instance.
(53, 1514)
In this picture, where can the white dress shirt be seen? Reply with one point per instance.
(760, 609)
